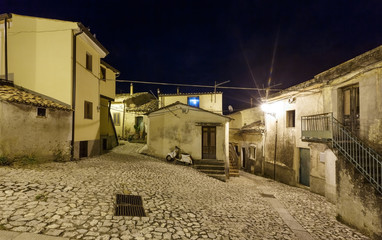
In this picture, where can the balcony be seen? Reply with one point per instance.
(317, 128)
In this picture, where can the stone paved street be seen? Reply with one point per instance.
(76, 200)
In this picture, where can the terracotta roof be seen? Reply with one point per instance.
(147, 107)
(257, 126)
(110, 67)
(124, 96)
(15, 95)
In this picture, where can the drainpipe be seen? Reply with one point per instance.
(274, 160)
(6, 47)
(74, 54)
(123, 119)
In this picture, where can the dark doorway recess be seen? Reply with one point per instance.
(209, 142)
(351, 108)
(305, 166)
(83, 149)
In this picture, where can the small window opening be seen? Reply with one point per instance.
(88, 110)
(193, 101)
(41, 112)
(252, 150)
(89, 61)
(290, 118)
(103, 73)
(117, 119)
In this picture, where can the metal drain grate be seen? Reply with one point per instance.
(130, 210)
(129, 205)
(267, 195)
(129, 199)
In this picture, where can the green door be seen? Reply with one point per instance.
(305, 166)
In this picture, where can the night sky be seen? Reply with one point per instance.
(200, 42)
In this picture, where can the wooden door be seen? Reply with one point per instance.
(209, 142)
(351, 108)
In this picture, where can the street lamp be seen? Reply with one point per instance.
(272, 110)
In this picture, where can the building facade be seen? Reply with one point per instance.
(210, 101)
(129, 114)
(325, 134)
(33, 126)
(200, 133)
(246, 135)
(66, 67)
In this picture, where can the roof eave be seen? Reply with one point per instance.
(92, 38)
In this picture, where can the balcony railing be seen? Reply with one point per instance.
(317, 128)
(326, 129)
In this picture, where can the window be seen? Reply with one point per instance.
(41, 112)
(252, 152)
(290, 118)
(193, 101)
(89, 62)
(88, 110)
(116, 119)
(103, 73)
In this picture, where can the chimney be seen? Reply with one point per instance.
(131, 89)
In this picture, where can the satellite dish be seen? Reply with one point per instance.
(230, 108)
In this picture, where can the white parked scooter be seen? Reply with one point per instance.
(180, 157)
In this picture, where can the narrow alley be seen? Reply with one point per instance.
(76, 200)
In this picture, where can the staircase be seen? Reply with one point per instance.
(233, 162)
(212, 167)
(325, 128)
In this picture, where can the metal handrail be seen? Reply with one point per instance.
(367, 161)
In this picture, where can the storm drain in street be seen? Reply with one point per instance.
(129, 205)
(267, 195)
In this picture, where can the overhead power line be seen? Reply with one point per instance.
(197, 85)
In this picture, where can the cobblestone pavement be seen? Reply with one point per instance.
(76, 200)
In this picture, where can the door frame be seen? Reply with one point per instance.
(307, 171)
(352, 121)
(209, 154)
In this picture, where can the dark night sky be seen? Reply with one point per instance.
(203, 41)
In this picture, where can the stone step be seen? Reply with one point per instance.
(211, 171)
(208, 162)
(212, 167)
(220, 177)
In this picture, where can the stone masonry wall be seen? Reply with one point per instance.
(358, 203)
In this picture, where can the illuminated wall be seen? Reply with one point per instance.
(40, 55)
(208, 101)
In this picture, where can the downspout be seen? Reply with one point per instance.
(123, 119)
(74, 68)
(112, 124)
(275, 157)
(6, 47)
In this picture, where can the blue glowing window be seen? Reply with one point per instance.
(193, 101)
